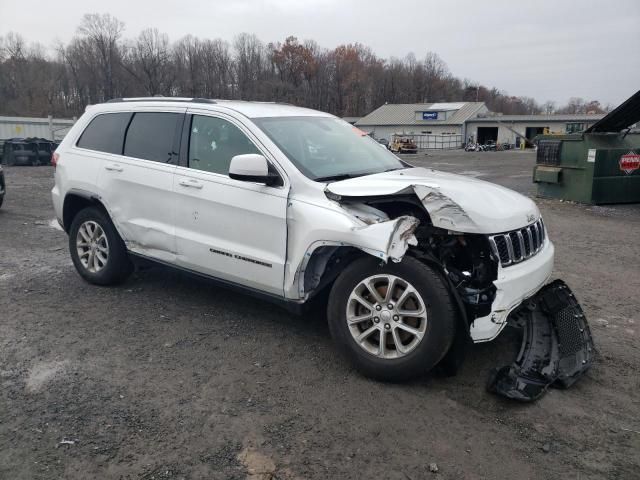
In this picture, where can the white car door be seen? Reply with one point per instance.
(229, 229)
(137, 186)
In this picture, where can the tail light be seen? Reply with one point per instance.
(54, 159)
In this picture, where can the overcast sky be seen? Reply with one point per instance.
(549, 50)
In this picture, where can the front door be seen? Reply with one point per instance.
(229, 229)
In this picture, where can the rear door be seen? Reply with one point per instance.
(230, 229)
(137, 185)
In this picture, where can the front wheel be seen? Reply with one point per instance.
(395, 321)
(97, 251)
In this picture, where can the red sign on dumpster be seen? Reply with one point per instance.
(630, 162)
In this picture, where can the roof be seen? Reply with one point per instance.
(249, 109)
(558, 117)
(621, 117)
(405, 113)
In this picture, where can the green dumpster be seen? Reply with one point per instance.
(598, 166)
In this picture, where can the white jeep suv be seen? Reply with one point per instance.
(290, 203)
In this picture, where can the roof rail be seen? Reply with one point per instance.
(160, 99)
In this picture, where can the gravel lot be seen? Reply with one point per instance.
(168, 376)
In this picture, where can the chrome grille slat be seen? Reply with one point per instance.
(518, 245)
(523, 252)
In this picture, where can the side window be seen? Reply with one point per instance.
(214, 142)
(150, 136)
(105, 133)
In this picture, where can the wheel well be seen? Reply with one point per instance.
(324, 266)
(74, 203)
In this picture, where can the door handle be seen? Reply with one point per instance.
(114, 167)
(190, 184)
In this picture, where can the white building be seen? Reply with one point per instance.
(451, 125)
(49, 128)
(434, 125)
(513, 129)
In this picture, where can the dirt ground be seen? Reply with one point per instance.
(168, 376)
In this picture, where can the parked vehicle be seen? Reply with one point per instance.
(44, 148)
(288, 203)
(383, 141)
(3, 187)
(474, 147)
(400, 144)
(19, 152)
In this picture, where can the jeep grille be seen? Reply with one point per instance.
(518, 245)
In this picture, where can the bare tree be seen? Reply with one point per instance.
(103, 32)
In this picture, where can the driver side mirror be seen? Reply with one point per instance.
(252, 167)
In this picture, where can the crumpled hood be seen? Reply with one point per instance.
(454, 202)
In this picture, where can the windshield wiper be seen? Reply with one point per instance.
(335, 178)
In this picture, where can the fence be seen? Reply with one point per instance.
(436, 142)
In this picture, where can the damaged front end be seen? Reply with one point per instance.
(557, 347)
(495, 279)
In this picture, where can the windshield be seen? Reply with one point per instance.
(326, 149)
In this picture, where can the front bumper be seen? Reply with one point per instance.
(515, 284)
(557, 347)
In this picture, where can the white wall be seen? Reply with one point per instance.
(11, 127)
(507, 136)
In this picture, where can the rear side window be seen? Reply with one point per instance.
(150, 136)
(105, 133)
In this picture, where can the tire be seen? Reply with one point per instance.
(421, 354)
(108, 268)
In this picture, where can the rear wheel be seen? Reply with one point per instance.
(394, 321)
(97, 251)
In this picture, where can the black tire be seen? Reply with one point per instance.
(118, 266)
(440, 326)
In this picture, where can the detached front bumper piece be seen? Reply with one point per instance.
(557, 347)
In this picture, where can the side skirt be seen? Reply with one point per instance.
(289, 305)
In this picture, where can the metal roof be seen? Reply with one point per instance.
(540, 118)
(405, 113)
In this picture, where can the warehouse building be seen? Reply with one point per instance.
(22, 127)
(432, 125)
(451, 125)
(513, 129)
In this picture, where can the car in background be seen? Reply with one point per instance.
(44, 149)
(17, 151)
(383, 141)
(403, 145)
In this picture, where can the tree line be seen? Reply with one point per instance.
(99, 63)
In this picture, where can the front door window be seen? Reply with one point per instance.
(214, 142)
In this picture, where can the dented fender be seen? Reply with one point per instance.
(364, 228)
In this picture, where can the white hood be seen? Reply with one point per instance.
(454, 202)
